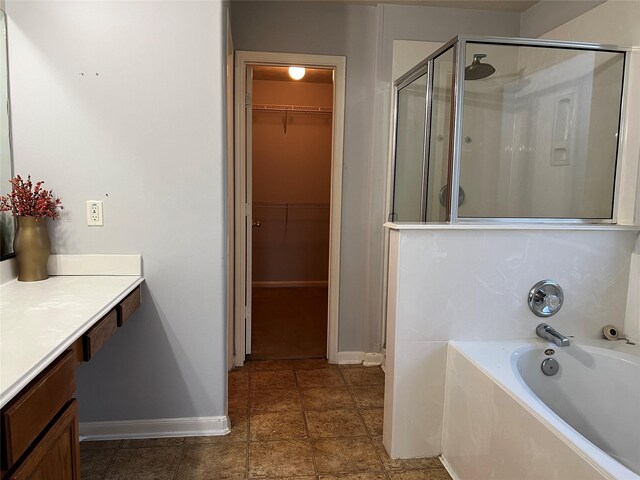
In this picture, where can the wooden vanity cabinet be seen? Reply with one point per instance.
(57, 454)
(39, 437)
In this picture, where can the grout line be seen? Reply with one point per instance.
(175, 474)
(306, 427)
(110, 462)
(248, 439)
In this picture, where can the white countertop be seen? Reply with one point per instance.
(39, 320)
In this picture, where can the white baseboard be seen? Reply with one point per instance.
(291, 283)
(356, 358)
(373, 359)
(161, 427)
(449, 468)
(350, 358)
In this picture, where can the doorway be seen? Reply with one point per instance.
(287, 190)
(292, 110)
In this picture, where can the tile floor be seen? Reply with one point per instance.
(289, 322)
(302, 419)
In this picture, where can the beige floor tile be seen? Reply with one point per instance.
(369, 396)
(311, 364)
(277, 426)
(373, 419)
(239, 432)
(304, 477)
(153, 442)
(262, 365)
(99, 444)
(213, 461)
(326, 398)
(277, 400)
(345, 455)
(238, 401)
(363, 376)
(335, 423)
(153, 463)
(354, 476)
(239, 380)
(429, 474)
(320, 377)
(280, 459)
(94, 462)
(405, 463)
(267, 380)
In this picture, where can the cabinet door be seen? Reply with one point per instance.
(57, 455)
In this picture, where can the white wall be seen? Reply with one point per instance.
(456, 284)
(142, 130)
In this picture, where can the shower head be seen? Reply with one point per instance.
(477, 70)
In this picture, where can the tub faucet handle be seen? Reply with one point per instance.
(546, 298)
(552, 302)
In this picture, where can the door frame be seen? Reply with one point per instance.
(242, 212)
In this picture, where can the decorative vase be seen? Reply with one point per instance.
(32, 248)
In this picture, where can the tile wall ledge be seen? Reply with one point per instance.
(511, 226)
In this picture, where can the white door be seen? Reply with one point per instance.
(248, 207)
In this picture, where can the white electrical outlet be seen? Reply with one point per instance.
(94, 213)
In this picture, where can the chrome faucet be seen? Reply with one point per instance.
(549, 333)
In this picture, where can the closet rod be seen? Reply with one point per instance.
(291, 108)
(290, 205)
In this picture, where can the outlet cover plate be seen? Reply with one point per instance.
(94, 213)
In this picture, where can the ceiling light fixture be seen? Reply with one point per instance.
(296, 72)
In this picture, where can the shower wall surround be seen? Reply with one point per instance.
(471, 283)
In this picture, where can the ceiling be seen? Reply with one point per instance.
(495, 5)
(281, 74)
(517, 6)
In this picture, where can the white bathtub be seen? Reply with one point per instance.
(504, 419)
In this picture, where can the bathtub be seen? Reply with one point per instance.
(505, 419)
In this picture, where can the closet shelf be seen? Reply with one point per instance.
(292, 108)
(289, 205)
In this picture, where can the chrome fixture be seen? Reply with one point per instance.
(478, 70)
(546, 298)
(547, 332)
(444, 194)
(550, 367)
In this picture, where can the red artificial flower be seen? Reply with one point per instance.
(28, 200)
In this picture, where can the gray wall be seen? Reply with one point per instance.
(364, 34)
(549, 14)
(148, 132)
(331, 29)
(401, 22)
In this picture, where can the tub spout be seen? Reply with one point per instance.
(549, 333)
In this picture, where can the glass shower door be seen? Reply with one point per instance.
(439, 138)
(408, 197)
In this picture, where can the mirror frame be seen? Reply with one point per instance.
(8, 112)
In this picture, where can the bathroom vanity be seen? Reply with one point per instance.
(47, 329)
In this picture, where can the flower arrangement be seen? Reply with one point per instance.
(29, 200)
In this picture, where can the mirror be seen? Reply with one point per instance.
(7, 222)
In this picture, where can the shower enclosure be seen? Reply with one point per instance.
(492, 129)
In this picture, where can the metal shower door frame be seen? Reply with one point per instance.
(459, 45)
